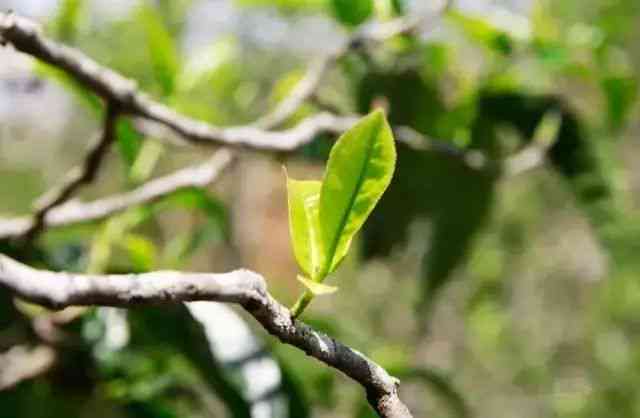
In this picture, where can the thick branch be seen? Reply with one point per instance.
(74, 212)
(77, 177)
(58, 290)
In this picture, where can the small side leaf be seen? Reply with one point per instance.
(303, 224)
(317, 289)
(359, 170)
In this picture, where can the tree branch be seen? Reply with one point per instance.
(26, 37)
(308, 86)
(246, 288)
(75, 178)
(74, 212)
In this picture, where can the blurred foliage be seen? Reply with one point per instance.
(526, 287)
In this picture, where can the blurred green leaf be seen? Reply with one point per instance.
(141, 251)
(399, 7)
(621, 93)
(152, 409)
(65, 23)
(315, 384)
(186, 338)
(286, 5)
(454, 198)
(162, 48)
(86, 97)
(482, 31)
(129, 141)
(352, 12)
(576, 156)
(203, 64)
(440, 384)
(147, 159)
(111, 233)
(293, 387)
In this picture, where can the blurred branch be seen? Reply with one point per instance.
(74, 212)
(307, 87)
(75, 178)
(534, 154)
(249, 136)
(21, 363)
(246, 288)
(26, 37)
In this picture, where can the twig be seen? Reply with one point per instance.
(246, 288)
(303, 90)
(251, 137)
(75, 178)
(74, 212)
(307, 87)
(534, 154)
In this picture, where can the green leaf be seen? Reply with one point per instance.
(129, 141)
(201, 66)
(146, 160)
(621, 93)
(65, 24)
(185, 338)
(352, 12)
(482, 30)
(162, 48)
(359, 170)
(141, 251)
(304, 197)
(399, 7)
(85, 96)
(287, 6)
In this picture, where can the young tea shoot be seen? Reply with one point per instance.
(324, 216)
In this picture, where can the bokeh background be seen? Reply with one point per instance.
(489, 294)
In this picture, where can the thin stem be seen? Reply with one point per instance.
(301, 304)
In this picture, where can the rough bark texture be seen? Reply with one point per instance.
(244, 287)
